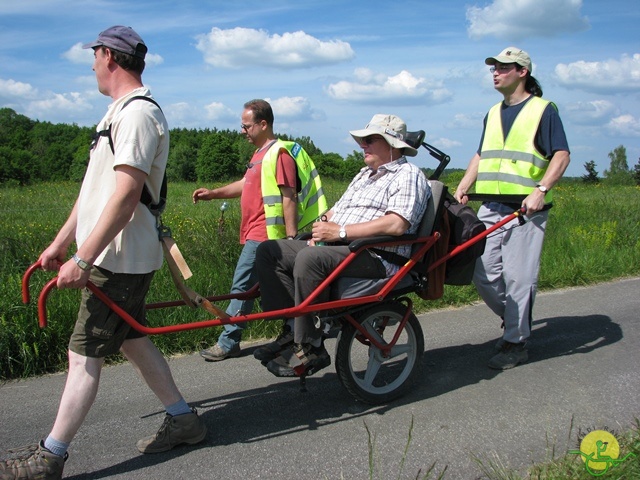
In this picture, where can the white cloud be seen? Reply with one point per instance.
(245, 47)
(381, 89)
(589, 113)
(219, 111)
(77, 54)
(17, 90)
(611, 76)
(625, 125)
(517, 20)
(153, 59)
(290, 107)
(184, 115)
(294, 108)
(37, 104)
(467, 121)
(445, 143)
(59, 102)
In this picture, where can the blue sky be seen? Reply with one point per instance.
(328, 66)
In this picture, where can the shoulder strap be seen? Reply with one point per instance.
(107, 132)
(141, 97)
(145, 197)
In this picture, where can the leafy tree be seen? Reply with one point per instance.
(181, 165)
(79, 148)
(329, 165)
(636, 172)
(244, 151)
(183, 153)
(33, 150)
(352, 165)
(309, 146)
(618, 173)
(217, 159)
(53, 147)
(14, 129)
(16, 166)
(592, 175)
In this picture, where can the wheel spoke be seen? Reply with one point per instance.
(373, 367)
(398, 350)
(374, 333)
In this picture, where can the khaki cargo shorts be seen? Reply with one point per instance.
(99, 331)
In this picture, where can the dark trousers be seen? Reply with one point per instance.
(289, 270)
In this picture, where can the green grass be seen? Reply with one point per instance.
(593, 235)
(561, 463)
(427, 474)
(569, 465)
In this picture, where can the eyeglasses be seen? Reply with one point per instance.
(246, 127)
(369, 140)
(504, 68)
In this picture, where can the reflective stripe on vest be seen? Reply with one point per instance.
(512, 166)
(311, 199)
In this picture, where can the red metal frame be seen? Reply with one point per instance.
(307, 306)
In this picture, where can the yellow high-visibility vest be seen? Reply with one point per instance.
(311, 199)
(512, 166)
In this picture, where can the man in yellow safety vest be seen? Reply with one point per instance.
(523, 154)
(281, 192)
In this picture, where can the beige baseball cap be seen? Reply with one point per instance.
(511, 55)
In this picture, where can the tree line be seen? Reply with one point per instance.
(33, 151)
(618, 173)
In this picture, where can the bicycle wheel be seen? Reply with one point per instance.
(362, 368)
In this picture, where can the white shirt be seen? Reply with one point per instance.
(141, 140)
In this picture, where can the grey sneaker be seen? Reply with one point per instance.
(216, 353)
(188, 428)
(512, 354)
(32, 462)
(271, 350)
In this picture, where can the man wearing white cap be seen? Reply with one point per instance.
(523, 154)
(387, 197)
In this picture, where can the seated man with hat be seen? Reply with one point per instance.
(387, 197)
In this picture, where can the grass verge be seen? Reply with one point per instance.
(593, 235)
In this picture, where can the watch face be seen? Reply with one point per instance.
(81, 263)
(343, 233)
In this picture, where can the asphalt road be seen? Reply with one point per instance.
(582, 374)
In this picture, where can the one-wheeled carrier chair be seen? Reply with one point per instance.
(380, 342)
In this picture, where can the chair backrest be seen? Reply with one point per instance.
(434, 209)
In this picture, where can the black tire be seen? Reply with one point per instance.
(361, 368)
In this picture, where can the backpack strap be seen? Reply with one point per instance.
(145, 197)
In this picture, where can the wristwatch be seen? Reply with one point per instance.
(342, 233)
(81, 263)
(542, 188)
